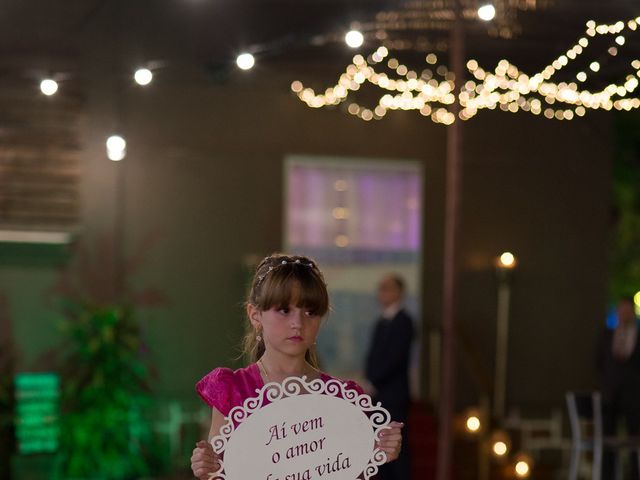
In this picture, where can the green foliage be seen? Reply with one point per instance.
(7, 410)
(105, 432)
(625, 245)
(104, 391)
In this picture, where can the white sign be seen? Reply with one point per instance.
(301, 430)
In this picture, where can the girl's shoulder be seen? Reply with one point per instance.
(227, 375)
(224, 388)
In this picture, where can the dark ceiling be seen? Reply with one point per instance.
(213, 31)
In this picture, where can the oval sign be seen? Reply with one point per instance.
(301, 430)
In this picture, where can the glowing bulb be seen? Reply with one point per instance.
(340, 213)
(473, 423)
(342, 241)
(523, 465)
(522, 468)
(48, 87)
(595, 66)
(487, 12)
(354, 38)
(245, 61)
(507, 260)
(500, 448)
(116, 142)
(620, 40)
(143, 76)
(116, 148)
(340, 185)
(581, 76)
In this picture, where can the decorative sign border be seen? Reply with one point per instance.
(271, 392)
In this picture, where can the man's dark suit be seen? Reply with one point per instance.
(620, 384)
(387, 369)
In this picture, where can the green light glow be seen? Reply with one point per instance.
(37, 401)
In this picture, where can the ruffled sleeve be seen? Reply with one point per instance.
(216, 389)
(351, 385)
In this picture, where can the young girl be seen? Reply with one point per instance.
(285, 306)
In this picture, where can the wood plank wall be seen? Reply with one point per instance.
(40, 160)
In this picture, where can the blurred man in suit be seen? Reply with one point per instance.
(387, 365)
(619, 365)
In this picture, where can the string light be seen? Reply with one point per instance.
(340, 213)
(245, 61)
(48, 87)
(143, 76)
(523, 465)
(507, 260)
(354, 39)
(506, 87)
(116, 148)
(472, 422)
(487, 12)
(522, 469)
(499, 448)
(500, 444)
(342, 241)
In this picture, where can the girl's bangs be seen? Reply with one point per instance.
(295, 286)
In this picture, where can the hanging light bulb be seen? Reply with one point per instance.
(48, 86)
(507, 260)
(523, 465)
(487, 12)
(472, 422)
(245, 61)
(143, 76)
(500, 444)
(354, 38)
(116, 148)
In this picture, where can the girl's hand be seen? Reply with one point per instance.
(391, 440)
(204, 461)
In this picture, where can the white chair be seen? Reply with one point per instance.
(585, 418)
(538, 433)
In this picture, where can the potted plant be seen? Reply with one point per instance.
(104, 368)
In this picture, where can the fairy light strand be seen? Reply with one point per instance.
(433, 91)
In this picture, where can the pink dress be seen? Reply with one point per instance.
(224, 388)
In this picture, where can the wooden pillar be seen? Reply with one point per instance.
(451, 240)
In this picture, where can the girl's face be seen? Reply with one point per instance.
(290, 330)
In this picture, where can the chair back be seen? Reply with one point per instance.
(585, 416)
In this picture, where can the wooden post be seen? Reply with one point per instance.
(451, 238)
